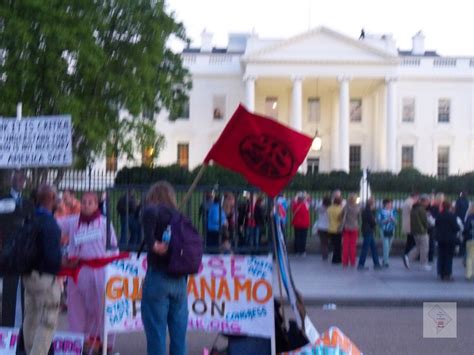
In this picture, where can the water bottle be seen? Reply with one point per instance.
(166, 235)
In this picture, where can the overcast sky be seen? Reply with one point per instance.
(447, 25)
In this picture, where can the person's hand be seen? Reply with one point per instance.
(69, 262)
(160, 248)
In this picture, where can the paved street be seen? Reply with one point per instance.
(381, 311)
(376, 330)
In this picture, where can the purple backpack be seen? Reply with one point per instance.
(185, 247)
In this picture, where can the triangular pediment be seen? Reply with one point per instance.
(322, 45)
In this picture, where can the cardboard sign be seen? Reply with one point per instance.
(230, 294)
(64, 343)
(36, 142)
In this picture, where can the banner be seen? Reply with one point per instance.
(64, 343)
(36, 142)
(230, 294)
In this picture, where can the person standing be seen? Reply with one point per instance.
(446, 235)
(300, 222)
(469, 239)
(85, 299)
(350, 231)
(10, 224)
(461, 209)
(419, 228)
(259, 216)
(335, 218)
(434, 210)
(127, 208)
(216, 220)
(42, 287)
(369, 224)
(68, 206)
(322, 224)
(164, 301)
(387, 219)
(406, 223)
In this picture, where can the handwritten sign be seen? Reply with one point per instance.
(64, 343)
(36, 142)
(230, 294)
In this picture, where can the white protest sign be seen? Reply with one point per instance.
(64, 343)
(231, 294)
(36, 142)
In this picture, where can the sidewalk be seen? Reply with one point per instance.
(321, 282)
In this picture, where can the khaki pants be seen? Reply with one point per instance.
(422, 243)
(469, 258)
(42, 296)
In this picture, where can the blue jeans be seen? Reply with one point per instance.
(164, 304)
(369, 242)
(387, 245)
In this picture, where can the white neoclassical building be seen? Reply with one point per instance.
(373, 105)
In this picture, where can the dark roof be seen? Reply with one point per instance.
(410, 54)
(214, 50)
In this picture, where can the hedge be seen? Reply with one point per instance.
(408, 180)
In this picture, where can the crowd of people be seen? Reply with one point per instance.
(67, 230)
(72, 229)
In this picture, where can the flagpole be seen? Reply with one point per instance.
(278, 271)
(193, 186)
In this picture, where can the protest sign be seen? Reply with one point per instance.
(36, 142)
(64, 343)
(230, 294)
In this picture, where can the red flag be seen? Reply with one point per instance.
(264, 151)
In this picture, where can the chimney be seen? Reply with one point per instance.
(418, 44)
(206, 41)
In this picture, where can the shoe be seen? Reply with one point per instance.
(386, 265)
(362, 268)
(406, 261)
(377, 267)
(426, 268)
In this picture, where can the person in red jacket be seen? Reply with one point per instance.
(300, 222)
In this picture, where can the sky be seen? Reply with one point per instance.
(447, 25)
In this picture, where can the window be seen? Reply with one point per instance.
(408, 112)
(356, 110)
(147, 156)
(314, 109)
(180, 110)
(443, 162)
(271, 107)
(355, 162)
(183, 155)
(313, 166)
(111, 157)
(444, 110)
(218, 107)
(407, 156)
(111, 162)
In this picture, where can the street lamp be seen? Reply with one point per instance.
(317, 142)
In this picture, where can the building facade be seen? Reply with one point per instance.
(372, 105)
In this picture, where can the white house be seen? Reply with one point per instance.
(371, 104)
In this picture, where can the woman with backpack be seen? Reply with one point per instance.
(164, 299)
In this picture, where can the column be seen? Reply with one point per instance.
(335, 164)
(250, 93)
(296, 119)
(344, 100)
(391, 124)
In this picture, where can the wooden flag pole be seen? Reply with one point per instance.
(192, 187)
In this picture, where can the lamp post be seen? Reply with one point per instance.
(317, 142)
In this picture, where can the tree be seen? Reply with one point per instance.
(94, 60)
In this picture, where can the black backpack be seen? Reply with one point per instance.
(20, 253)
